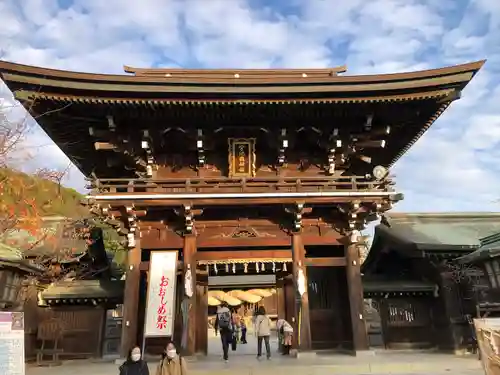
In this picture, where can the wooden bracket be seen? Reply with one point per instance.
(188, 214)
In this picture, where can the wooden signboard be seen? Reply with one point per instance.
(241, 157)
(12, 343)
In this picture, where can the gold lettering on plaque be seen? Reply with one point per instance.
(241, 157)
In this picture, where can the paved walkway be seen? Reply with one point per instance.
(379, 363)
(243, 362)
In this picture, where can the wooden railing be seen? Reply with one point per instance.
(239, 185)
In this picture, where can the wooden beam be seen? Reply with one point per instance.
(144, 265)
(325, 262)
(255, 254)
(308, 240)
(104, 146)
(242, 202)
(131, 300)
(246, 254)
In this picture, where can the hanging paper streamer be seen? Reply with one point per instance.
(262, 267)
(257, 267)
(227, 268)
(284, 267)
(234, 268)
(245, 268)
(274, 267)
(215, 269)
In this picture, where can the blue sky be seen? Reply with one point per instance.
(454, 167)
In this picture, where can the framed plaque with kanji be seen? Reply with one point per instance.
(241, 157)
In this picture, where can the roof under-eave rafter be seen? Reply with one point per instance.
(418, 233)
(205, 86)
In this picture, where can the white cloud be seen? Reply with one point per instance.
(453, 167)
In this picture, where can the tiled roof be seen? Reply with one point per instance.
(490, 248)
(445, 230)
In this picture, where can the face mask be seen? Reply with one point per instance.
(135, 357)
(171, 353)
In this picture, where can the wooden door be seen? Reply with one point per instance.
(328, 308)
(112, 334)
(407, 322)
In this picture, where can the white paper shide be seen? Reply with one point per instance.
(160, 309)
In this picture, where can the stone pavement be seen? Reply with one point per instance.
(401, 363)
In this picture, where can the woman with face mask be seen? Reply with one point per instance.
(134, 365)
(171, 363)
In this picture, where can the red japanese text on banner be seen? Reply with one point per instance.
(160, 309)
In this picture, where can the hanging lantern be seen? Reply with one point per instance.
(227, 268)
(245, 268)
(284, 267)
(234, 267)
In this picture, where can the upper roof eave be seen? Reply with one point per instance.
(25, 74)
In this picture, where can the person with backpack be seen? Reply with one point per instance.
(224, 324)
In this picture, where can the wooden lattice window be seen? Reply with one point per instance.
(321, 289)
(406, 313)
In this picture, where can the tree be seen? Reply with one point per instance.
(27, 199)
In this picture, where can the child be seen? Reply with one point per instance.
(285, 331)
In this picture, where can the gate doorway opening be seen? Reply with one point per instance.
(244, 294)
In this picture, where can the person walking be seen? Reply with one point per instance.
(134, 365)
(224, 324)
(243, 326)
(171, 362)
(263, 332)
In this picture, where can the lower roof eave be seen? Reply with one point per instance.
(243, 198)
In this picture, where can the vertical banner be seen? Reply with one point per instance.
(12, 343)
(160, 302)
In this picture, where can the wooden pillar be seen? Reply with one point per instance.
(189, 253)
(131, 300)
(280, 296)
(202, 315)
(356, 303)
(281, 302)
(302, 324)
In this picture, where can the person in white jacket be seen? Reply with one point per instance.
(263, 332)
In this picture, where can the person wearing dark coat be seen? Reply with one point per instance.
(134, 365)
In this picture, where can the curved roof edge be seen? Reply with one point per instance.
(262, 73)
(286, 76)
